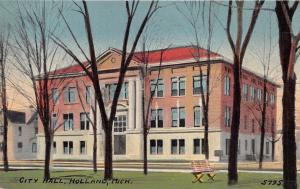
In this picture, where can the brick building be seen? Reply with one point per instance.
(176, 118)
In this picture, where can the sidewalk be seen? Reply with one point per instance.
(169, 166)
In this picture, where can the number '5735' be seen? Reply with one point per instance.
(272, 182)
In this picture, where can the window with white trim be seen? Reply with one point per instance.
(226, 85)
(245, 90)
(157, 118)
(197, 84)
(227, 116)
(84, 121)
(82, 147)
(68, 147)
(157, 87)
(120, 123)
(156, 147)
(177, 146)
(70, 95)
(178, 86)
(198, 118)
(55, 95)
(88, 90)
(178, 117)
(68, 121)
(252, 93)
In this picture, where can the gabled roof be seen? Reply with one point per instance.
(169, 55)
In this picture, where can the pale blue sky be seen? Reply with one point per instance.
(168, 26)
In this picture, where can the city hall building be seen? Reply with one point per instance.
(176, 118)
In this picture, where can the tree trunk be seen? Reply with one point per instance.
(4, 108)
(145, 151)
(263, 128)
(288, 137)
(5, 131)
(108, 174)
(206, 147)
(95, 149)
(262, 142)
(273, 151)
(288, 99)
(47, 156)
(235, 125)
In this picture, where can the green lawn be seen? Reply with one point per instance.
(137, 180)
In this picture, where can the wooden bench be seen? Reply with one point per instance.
(201, 168)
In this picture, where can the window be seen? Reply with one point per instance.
(54, 121)
(181, 146)
(174, 86)
(227, 116)
(174, 117)
(68, 121)
(227, 143)
(197, 84)
(20, 146)
(245, 91)
(1, 130)
(239, 147)
(68, 147)
(119, 144)
(1, 146)
(267, 148)
(175, 148)
(36, 130)
(88, 94)
(197, 116)
(181, 86)
(197, 147)
(84, 121)
(54, 147)
(253, 125)
(226, 85)
(259, 95)
(157, 118)
(82, 147)
(178, 86)
(245, 122)
(253, 146)
(156, 147)
(246, 145)
(157, 90)
(20, 131)
(178, 119)
(112, 89)
(34, 148)
(55, 95)
(272, 99)
(70, 95)
(120, 123)
(252, 93)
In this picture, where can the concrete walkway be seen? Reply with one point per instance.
(139, 169)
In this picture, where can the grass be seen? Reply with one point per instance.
(137, 180)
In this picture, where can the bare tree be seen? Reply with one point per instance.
(143, 57)
(4, 46)
(261, 106)
(34, 56)
(238, 48)
(195, 16)
(91, 69)
(289, 52)
(91, 116)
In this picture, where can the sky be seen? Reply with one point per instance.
(168, 27)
